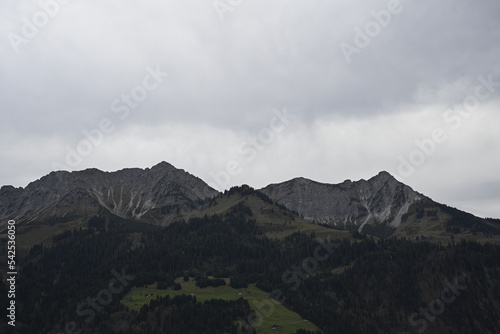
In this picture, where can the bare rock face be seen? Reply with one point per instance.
(380, 200)
(143, 194)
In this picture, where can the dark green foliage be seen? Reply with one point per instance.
(463, 219)
(244, 190)
(238, 282)
(203, 282)
(380, 230)
(36, 250)
(357, 235)
(183, 314)
(97, 222)
(360, 287)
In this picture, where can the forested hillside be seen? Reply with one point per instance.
(360, 285)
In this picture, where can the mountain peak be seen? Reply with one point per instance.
(381, 199)
(302, 180)
(147, 194)
(384, 175)
(163, 165)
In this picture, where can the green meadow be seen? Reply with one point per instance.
(259, 301)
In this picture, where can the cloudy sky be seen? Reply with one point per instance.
(257, 92)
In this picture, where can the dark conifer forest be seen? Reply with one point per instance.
(357, 285)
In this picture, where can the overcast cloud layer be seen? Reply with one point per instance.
(257, 92)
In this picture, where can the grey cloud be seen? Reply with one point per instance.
(229, 75)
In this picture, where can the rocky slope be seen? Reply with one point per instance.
(152, 195)
(380, 206)
(380, 200)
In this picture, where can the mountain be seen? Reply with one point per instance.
(381, 199)
(380, 206)
(158, 194)
(273, 220)
(157, 250)
(232, 270)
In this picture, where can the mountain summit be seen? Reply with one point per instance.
(381, 206)
(153, 194)
(381, 199)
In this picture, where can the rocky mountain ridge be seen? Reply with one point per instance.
(142, 194)
(381, 199)
(381, 206)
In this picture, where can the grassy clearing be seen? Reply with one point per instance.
(276, 314)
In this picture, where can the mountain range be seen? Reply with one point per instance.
(381, 206)
(298, 257)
